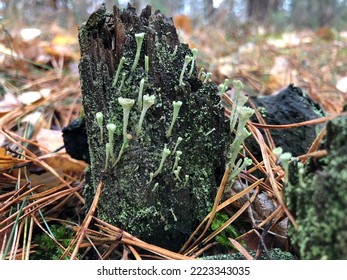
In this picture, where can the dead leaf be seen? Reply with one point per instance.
(36, 121)
(342, 84)
(50, 139)
(64, 162)
(8, 104)
(29, 97)
(47, 179)
(30, 34)
(8, 161)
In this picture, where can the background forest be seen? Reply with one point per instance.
(279, 15)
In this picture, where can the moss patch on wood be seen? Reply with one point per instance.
(167, 209)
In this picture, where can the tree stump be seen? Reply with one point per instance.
(316, 195)
(159, 205)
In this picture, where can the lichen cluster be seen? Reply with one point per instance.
(316, 194)
(169, 150)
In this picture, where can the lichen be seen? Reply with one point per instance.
(318, 200)
(167, 209)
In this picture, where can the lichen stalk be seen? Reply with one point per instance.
(187, 60)
(119, 68)
(127, 104)
(179, 140)
(195, 52)
(111, 128)
(165, 153)
(207, 77)
(176, 108)
(139, 39)
(139, 98)
(99, 120)
(148, 101)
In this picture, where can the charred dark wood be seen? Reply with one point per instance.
(166, 209)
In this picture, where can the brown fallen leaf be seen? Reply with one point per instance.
(50, 139)
(8, 161)
(65, 163)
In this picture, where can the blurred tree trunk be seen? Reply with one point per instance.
(313, 13)
(209, 9)
(327, 10)
(257, 10)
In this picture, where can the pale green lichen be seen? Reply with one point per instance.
(237, 86)
(122, 149)
(100, 120)
(139, 39)
(176, 108)
(148, 101)
(126, 104)
(194, 52)
(223, 87)
(201, 71)
(146, 65)
(108, 153)
(316, 196)
(177, 158)
(187, 60)
(111, 128)
(207, 77)
(179, 140)
(165, 153)
(122, 83)
(139, 98)
(177, 173)
(116, 76)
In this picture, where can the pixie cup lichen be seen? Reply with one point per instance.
(111, 128)
(99, 120)
(116, 76)
(165, 153)
(139, 39)
(127, 104)
(176, 108)
(187, 60)
(139, 98)
(179, 140)
(148, 101)
(194, 52)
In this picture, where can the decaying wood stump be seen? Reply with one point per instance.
(162, 206)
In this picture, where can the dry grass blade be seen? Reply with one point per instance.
(261, 121)
(128, 239)
(273, 182)
(35, 206)
(241, 249)
(82, 230)
(292, 125)
(227, 202)
(211, 215)
(232, 218)
(35, 159)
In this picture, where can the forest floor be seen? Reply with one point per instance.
(41, 187)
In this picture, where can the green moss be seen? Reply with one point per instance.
(319, 200)
(275, 254)
(47, 249)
